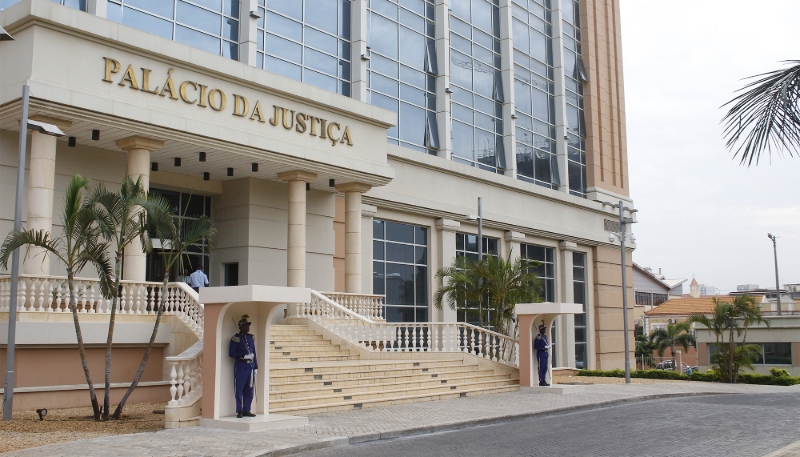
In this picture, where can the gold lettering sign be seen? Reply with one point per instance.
(195, 93)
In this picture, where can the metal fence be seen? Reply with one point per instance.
(688, 363)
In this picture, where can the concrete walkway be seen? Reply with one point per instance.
(331, 429)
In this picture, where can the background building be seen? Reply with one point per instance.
(339, 144)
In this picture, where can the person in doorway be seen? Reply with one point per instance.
(185, 276)
(541, 345)
(198, 279)
(242, 349)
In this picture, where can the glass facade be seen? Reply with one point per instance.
(579, 296)
(476, 85)
(402, 69)
(574, 77)
(400, 269)
(546, 271)
(188, 207)
(534, 92)
(210, 25)
(306, 40)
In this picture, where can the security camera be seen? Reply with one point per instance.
(611, 237)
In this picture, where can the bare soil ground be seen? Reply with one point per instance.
(26, 430)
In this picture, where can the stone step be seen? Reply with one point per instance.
(320, 389)
(369, 381)
(349, 404)
(329, 350)
(368, 373)
(361, 364)
(309, 358)
(359, 397)
(302, 344)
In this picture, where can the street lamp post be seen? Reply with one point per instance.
(777, 281)
(47, 129)
(622, 235)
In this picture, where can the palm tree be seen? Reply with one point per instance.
(672, 335)
(175, 240)
(78, 247)
(492, 285)
(732, 319)
(120, 220)
(765, 116)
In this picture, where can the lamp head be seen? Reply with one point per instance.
(5, 36)
(45, 128)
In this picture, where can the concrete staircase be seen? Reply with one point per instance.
(309, 374)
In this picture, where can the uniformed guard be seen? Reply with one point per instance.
(541, 345)
(242, 349)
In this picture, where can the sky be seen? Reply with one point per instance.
(702, 214)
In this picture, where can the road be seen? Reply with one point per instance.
(715, 425)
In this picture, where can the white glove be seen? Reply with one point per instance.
(255, 371)
(248, 357)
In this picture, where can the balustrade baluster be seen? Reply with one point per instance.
(429, 330)
(173, 384)
(180, 382)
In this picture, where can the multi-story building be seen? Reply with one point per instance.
(340, 144)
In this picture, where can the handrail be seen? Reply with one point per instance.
(190, 353)
(311, 312)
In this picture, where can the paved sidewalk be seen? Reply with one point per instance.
(331, 429)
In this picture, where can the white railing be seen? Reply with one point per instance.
(50, 294)
(369, 306)
(186, 376)
(408, 337)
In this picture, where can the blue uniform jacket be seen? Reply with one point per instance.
(238, 349)
(540, 343)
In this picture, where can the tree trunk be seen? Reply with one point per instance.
(162, 299)
(110, 339)
(81, 349)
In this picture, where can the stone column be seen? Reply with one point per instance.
(352, 238)
(138, 149)
(446, 230)
(296, 246)
(514, 240)
(566, 295)
(40, 191)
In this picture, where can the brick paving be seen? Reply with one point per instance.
(749, 425)
(355, 426)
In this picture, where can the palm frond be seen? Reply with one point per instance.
(40, 239)
(765, 116)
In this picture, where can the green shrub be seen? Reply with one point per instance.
(765, 379)
(708, 376)
(778, 372)
(778, 377)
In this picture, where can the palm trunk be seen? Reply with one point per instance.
(73, 304)
(110, 339)
(162, 299)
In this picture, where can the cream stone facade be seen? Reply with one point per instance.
(300, 179)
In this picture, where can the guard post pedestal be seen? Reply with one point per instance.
(529, 316)
(223, 307)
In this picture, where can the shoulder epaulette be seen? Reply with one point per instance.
(235, 338)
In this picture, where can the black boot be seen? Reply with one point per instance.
(248, 414)
(239, 415)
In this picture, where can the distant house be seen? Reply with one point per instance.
(651, 290)
(780, 343)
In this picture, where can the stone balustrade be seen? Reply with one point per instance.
(50, 294)
(186, 375)
(367, 305)
(408, 337)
